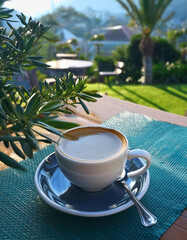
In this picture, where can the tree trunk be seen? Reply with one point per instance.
(148, 69)
(147, 47)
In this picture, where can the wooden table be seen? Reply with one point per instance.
(104, 109)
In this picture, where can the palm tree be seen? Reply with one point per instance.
(146, 13)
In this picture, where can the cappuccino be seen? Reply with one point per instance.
(93, 157)
(92, 144)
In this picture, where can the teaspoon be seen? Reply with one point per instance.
(146, 217)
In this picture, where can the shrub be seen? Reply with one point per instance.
(164, 51)
(132, 58)
(104, 63)
(133, 52)
(170, 73)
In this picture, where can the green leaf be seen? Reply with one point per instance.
(2, 115)
(33, 104)
(17, 150)
(22, 18)
(27, 149)
(18, 35)
(5, 11)
(60, 124)
(26, 91)
(11, 162)
(58, 81)
(45, 141)
(21, 94)
(40, 86)
(35, 58)
(10, 26)
(30, 43)
(93, 93)
(51, 39)
(6, 108)
(10, 138)
(51, 106)
(49, 128)
(86, 97)
(45, 136)
(83, 105)
(6, 143)
(20, 109)
(34, 49)
(10, 45)
(5, 37)
(39, 64)
(64, 111)
(31, 140)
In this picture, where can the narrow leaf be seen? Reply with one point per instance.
(45, 141)
(60, 124)
(11, 162)
(31, 141)
(5, 37)
(17, 150)
(64, 111)
(84, 106)
(49, 128)
(10, 45)
(10, 138)
(51, 39)
(6, 143)
(29, 44)
(33, 104)
(39, 64)
(50, 106)
(27, 149)
(35, 58)
(93, 93)
(45, 136)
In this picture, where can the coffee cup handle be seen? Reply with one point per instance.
(142, 154)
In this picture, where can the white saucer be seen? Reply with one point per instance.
(58, 192)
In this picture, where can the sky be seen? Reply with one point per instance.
(36, 8)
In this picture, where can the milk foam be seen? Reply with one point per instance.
(92, 145)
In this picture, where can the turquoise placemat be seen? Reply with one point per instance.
(24, 215)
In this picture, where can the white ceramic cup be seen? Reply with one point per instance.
(95, 173)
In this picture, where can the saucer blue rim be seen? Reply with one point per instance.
(84, 213)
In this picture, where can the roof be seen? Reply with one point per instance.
(119, 33)
(67, 35)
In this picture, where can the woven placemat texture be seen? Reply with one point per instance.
(24, 215)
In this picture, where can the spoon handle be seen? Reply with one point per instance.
(146, 217)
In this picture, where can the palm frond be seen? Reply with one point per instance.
(136, 11)
(166, 19)
(129, 11)
(146, 13)
(158, 10)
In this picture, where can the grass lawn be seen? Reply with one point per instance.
(170, 98)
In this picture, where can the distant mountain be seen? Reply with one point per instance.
(113, 7)
(180, 9)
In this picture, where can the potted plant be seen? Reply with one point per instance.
(21, 110)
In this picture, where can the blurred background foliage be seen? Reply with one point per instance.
(170, 41)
